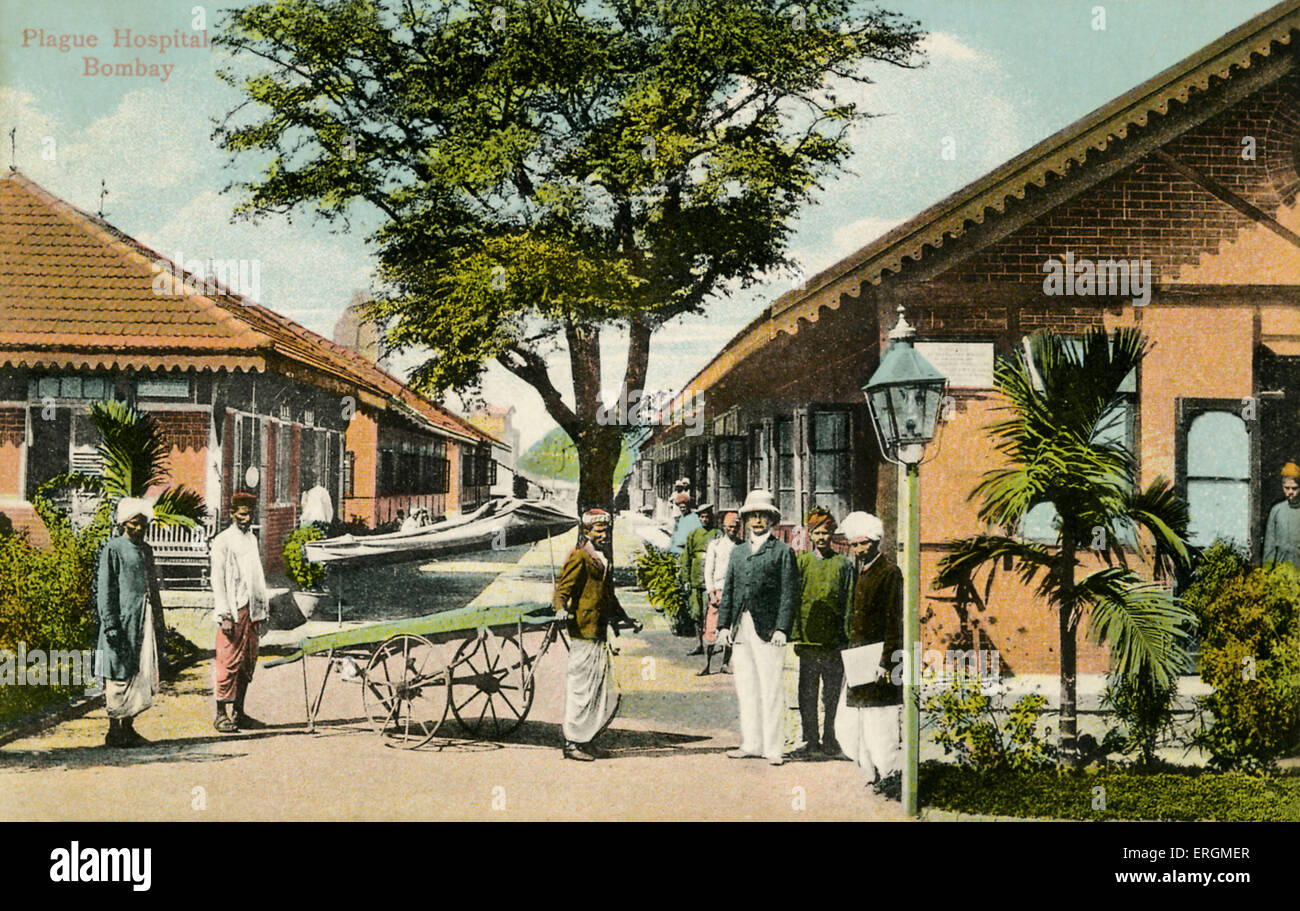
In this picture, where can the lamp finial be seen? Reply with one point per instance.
(902, 329)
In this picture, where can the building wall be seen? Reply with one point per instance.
(12, 433)
(362, 440)
(1201, 352)
(1149, 210)
(186, 434)
(1205, 341)
(454, 448)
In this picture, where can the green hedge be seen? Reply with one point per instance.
(307, 575)
(18, 701)
(1128, 794)
(1250, 654)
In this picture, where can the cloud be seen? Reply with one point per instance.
(146, 144)
(943, 45)
(304, 273)
(141, 146)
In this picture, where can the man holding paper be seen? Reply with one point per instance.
(869, 722)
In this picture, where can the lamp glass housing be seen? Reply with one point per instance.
(904, 395)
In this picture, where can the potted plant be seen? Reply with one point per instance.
(307, 575)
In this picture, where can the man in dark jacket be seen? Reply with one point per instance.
(869, 725)
(759, 600)
(584, 595)
(130, 615)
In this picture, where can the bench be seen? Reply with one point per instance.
(175, 547)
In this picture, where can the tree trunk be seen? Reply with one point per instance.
(598, 453)
(1069, 724)
(598, 440)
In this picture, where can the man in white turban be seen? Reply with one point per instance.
(868, 724)
(130, 610)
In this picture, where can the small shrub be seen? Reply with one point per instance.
(1146, 710)
(657, 573)
(1250, 654)
(306, 574)
(967, 726)
(47, 595)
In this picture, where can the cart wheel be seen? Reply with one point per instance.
(406, 692)
(488, 694)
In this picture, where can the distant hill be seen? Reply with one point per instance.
(555, 456)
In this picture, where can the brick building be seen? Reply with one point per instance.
(1190, 180)
(498, 421)
(245, 397)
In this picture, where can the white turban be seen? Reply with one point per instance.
(134, 506)
(858, 526)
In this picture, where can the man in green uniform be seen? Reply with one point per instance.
(826, 580)
(691, 572)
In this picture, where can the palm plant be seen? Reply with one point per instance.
(58, 593)
(134, 456)
(1061, 401)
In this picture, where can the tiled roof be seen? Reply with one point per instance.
(75, 292)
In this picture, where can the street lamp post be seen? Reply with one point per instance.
(904, 395)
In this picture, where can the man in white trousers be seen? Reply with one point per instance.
(868, 723)
(759, 600)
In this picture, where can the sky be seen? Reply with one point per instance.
(1000, 75)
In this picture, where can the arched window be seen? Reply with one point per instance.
(1218, 478)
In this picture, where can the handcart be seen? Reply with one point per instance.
(409, 684)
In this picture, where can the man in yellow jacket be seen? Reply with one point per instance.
(584, 595)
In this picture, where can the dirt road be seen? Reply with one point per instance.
(667, 750)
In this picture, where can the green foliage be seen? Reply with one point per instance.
(1218, 566)
(1061, 405)
(967, 725)
(555, 456)
(545, 169)
(19, 701)
(306, 574)
(134, 453)
(1146, 709)
(47, 594)
(657, 572)
(1129, 794)
(1250, 654)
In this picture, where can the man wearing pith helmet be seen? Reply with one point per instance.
(869, 722)
(584, 596)
(759, 600)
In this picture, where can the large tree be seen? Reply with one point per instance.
(547, 170)
(1063, 406)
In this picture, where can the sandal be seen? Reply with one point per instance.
(226, 725)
